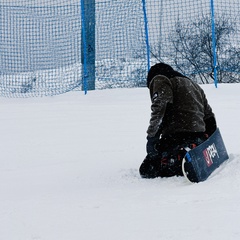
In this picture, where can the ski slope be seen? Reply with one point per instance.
(69, 171)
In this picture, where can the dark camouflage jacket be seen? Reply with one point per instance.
(178, 105)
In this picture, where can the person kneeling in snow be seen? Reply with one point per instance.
(181, 117)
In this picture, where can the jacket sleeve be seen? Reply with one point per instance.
(161, 94)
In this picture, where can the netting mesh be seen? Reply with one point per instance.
(42, 47)
(183, 32)
(39, 48)
(120, 44)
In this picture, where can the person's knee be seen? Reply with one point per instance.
(150, 168)
(160, 167)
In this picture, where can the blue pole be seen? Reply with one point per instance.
(84, 49)
(146, 32)
(214, 44)
(88, 43)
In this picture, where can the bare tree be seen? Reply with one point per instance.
(193, 49)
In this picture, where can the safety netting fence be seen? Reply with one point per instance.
(49, 47)
(199, 38)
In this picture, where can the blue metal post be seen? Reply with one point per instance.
(146, 33)
(214, 44)
(88, 44)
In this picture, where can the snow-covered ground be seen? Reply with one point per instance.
(69, 171)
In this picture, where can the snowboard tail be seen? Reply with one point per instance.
(199, 163)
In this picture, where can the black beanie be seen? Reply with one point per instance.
(162, 69)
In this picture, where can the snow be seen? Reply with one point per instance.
(69, 171)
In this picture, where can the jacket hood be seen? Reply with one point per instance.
(162, 69)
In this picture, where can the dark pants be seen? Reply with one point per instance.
(171, 150)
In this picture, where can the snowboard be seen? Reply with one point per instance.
(200, 162)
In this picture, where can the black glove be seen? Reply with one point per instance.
(151, 146)
(211, 125)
